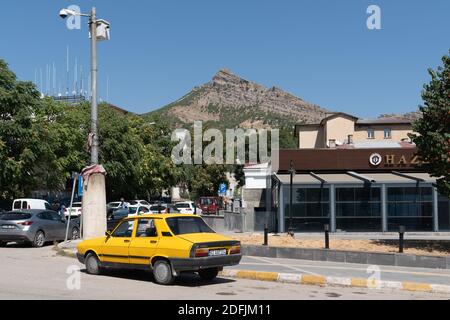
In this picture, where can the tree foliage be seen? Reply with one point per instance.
(433, 138)
(42, 142)
(20, 143)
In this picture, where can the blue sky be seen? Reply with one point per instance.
(318, 50)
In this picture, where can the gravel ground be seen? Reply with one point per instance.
(416, 247)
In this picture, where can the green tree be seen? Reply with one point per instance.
(433, 138)
(20, 145)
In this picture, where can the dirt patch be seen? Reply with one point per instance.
(416, 247)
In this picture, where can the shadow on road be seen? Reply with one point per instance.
(183, 280)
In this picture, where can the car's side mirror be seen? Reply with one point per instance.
(108, 234)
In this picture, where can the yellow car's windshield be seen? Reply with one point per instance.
(188, 225)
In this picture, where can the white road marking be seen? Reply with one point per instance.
(282, 265)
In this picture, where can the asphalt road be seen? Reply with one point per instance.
(28, 273)
(347, 270)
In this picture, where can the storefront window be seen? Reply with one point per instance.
(411, 207)
(310, 208)
(358, 209)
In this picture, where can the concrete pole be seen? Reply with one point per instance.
(94, 200)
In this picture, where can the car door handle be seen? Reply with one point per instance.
(153, 241)
(126, 241)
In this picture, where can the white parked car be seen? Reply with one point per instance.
(188, 207)
(76, 210)
(161, 208)
(138, 210)
(139, 203)
(30, 204)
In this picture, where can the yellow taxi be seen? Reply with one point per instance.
(167, 244)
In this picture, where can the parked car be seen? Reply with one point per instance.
(166, 244)
(116, 216)
(36, 227)
(210, 205)
(138, 210)
(113, 205)
(170, 208)
(188, 207)
(139, 203)
(77, 209)
(30, 204)
(158, 208)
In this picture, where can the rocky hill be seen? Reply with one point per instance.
(414, 115)
(229, 101)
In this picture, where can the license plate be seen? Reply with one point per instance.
(214, 253)
(8, 227)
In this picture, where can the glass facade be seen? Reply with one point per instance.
(358, 209)
(411, 207)
(310, 208)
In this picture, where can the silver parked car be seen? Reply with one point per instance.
(35, 227)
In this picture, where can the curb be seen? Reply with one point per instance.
(318, 280)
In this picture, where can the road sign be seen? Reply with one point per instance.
(80, 186)
(223, 189)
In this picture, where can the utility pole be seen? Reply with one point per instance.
(94, 199)
(94, 69)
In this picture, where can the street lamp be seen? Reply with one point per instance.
(94, 199)
(99, 30)
(292, 173)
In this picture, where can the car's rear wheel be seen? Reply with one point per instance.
(208, 274)
(92, 264)
(3, 244)
(75, 234)
(162, 272)
(39, 239)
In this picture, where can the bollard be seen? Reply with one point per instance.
(401, 241)
(327, 236)
(266, 235)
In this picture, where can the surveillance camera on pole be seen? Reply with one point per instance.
(94, 200)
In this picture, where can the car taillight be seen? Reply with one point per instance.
(235, 250)
(26, 223)
(201, 253)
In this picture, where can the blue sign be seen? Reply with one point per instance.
(223, 189)
(80, 186)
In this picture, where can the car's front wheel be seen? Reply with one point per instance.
(92, 264)
(162, 272)
(39, 239)
(208, 274)
(3, 244)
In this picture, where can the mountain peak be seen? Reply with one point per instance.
(231, 101)
(225, 76)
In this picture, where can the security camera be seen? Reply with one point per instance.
(64, 13)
